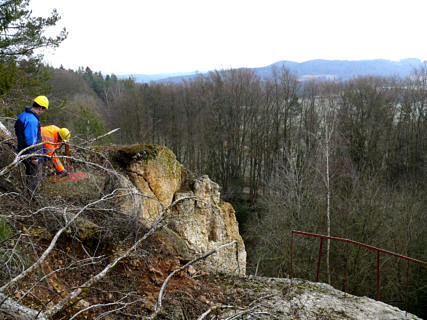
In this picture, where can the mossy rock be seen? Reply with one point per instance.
(124, 155)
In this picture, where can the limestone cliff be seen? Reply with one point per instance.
(203, 221)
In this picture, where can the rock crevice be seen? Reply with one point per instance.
(203, 222)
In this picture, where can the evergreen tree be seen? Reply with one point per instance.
(21, 33)
(21, 73)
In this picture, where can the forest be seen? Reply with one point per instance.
(340, 158)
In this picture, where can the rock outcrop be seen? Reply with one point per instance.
(156, 179)
(201, 219)
(281, 298)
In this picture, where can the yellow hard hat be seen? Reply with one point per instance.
(42, 101)
(64, 133)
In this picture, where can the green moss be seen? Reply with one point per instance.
(166, 158)
(299, 288)
(144, 152)
(5, 230)
(158, 156)
(124, 155)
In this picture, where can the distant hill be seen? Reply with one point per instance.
(145, 78)
(313, 69)
(344, 69)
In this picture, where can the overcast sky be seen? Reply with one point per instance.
(165, 36)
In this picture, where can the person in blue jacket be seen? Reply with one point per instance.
(28, 133)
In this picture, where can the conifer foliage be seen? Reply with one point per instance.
(21, 33)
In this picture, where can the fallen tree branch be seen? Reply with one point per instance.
(51, 244)
(19, 311)
(100, 137)
(214, 308)
(158, 306)
(5, 130)
(75, 293)
(121, 304)
(238, 315)
(21, 156)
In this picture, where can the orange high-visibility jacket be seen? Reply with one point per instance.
(50, 136)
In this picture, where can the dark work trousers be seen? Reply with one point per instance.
(33, 175)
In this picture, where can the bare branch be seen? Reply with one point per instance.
(120, 304)
(102, 136)
(159, 299)
(17, 310)
(52, 243)
(73, 295)
(21, 156)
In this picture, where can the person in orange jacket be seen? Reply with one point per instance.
(53, 138)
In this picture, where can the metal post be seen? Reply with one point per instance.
(407, 285)
(346, 267)
(292, 254)
(348, 241)
(378, 275)
(318, 261)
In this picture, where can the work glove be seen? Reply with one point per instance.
(63, 173)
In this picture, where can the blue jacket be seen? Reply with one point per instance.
(27, 130)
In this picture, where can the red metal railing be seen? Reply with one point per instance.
(348, 241)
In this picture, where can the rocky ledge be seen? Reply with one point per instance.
(274, 298)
